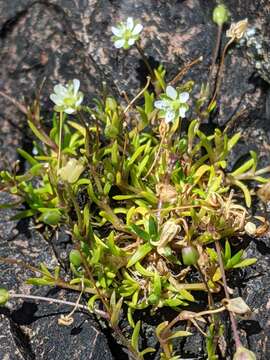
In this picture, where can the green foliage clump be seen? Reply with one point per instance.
(148, 205)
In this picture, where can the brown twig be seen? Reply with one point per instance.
(183, 71)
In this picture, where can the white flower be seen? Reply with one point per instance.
(67, 98)
(126, 34)
(71, 171)
(173, 104)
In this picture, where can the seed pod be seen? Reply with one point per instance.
(51, 217)
(75, 258)
(190, 255)
(152, 299)
(220, 14)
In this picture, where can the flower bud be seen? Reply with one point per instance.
(4, 296)
(75, 258)
(152, 299)
(190, 255)
(220, 14)
(244, 354)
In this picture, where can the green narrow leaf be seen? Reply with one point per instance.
(142, 165)
(135, 336)
(233, 141)
(140, 253)
(136, 154)
(228, 253)
(115, 154)
(245, 262)
(192, 129)
(147, 350)
(116, 312)
(179, 333)
(39, 281)
(234, 260)
(23, 214)
(245, 190)
(153, 228)
(144, 272)
(140, 232)
(125, 197)
(27, 157)
(45, 270)
(244, 168)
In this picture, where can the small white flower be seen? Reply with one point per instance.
(71, 171)
(173, 104)
(67, 98)
(126, 34)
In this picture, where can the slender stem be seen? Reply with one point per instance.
(210, 297)
(138, 95)
(87, 135)
(57, 301)
(76, 206)
(145, 60)
(57, 282)
(232, 318)
(220, 73)
(216, 50)
(184, 70)
(156, 157)
(60, 140)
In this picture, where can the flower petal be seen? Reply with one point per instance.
(183, 97)
(79, 100)
(182, 112)
(76, 86)
(59, 89)
(69, 111)
(160, 104)
(169, 116)
(171, 92)
(137, 29)
(56, 99)
(130, 23)
(117, 31)
(119, 43)
(131, 41)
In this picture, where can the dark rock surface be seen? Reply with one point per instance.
(62, 39)
(30, 331)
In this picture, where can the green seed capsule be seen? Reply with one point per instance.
(244, 354)
(220, 14)
(75, 258)
(190, 255)
(152, 299)
(51, 217)
(4, 296)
